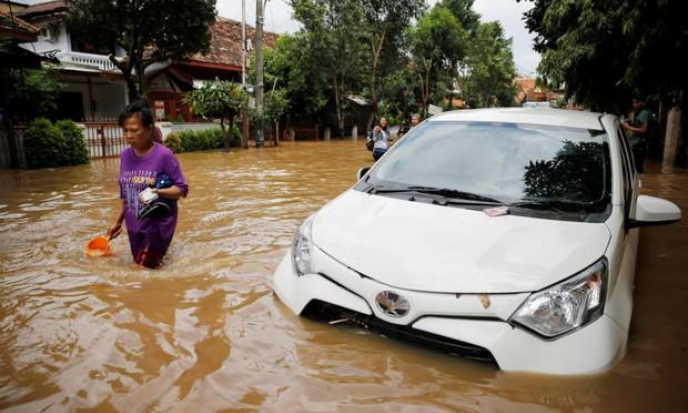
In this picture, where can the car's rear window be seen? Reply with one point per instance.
(506, 161)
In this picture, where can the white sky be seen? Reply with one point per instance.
(278, 19)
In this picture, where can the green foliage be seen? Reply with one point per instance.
(464, 13)
(220, 99)
(276, 104)
(47, 145)
(173, 142)
(76, 152)
(169, 29)
(29, 93)
(439, 39)
(604, 51)
(492, 70)
(437, 43)
(292, 65)
(200, 140)
(382, 32)
(335, 57)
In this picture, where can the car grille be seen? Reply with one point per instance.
(321, 311)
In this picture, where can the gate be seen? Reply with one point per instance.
(104, 139)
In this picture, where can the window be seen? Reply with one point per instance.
(505, 161)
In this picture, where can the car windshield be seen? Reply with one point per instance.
(516, 164)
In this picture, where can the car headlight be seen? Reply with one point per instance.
(302, 248)
(566, 306)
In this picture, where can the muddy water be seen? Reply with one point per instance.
(205, 333)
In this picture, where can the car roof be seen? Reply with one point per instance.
(539, 116)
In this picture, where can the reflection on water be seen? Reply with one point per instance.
(205, 333)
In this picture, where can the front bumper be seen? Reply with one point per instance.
(474, 322)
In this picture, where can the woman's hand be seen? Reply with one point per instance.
(114, 230)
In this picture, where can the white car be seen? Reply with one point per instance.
(507, 235)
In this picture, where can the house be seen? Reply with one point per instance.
(223, 61)
(528, 90)
(95, 89)
(13, 32)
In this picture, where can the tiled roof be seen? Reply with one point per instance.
(225, 43)
(50, 7)
(13, 22)
(14, 27)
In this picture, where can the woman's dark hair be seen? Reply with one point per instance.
(139, 108)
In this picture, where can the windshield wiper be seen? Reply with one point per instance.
(450, 195)
(556, 204)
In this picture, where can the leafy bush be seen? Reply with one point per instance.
(47, 145)
(75, 147)
(173, 142)
(44, 144)
(200, 140)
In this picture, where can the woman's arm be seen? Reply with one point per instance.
(116, 228)
(173, 192)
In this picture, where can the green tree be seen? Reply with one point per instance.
(29, 93)
(464, 13)
(275, 105)
(437, 43)
(604, 51)
(383, 27)
(151, 31)
(337, 56)
(490, 68)
(221, 99)
(291, 66)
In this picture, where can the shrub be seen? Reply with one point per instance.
(173, 142)
(75, 147)
(199, 140)
(44, 145)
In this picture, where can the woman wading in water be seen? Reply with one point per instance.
(151, 181)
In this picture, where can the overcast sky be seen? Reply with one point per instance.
(278, 19)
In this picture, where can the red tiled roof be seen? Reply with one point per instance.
(225, 43)
(17, 28)
(44, 8)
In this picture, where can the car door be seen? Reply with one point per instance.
(625, 241)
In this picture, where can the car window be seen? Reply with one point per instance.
(625, 142)
(629, 171)
(505, 161)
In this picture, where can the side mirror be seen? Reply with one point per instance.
(361, 172)
(651, 210)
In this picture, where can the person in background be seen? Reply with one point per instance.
(380, 142)
(638, 129)
(415, 120)
(151, 181)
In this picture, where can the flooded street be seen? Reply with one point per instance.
(205, 332)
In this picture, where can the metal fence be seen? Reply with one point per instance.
(301, 134)
(104, 139)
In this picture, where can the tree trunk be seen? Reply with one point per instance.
(672, 139)
(338, 106)
(373, 78)
(225, 138)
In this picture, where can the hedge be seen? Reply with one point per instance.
(49, 145)
(200, 140)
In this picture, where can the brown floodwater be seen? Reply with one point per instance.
(205, 333)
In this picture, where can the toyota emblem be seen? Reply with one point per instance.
(392, 304)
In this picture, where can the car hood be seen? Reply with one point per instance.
(425, 247)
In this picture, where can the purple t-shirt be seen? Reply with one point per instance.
(136, 174)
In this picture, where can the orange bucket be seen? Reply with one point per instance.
(98, 247)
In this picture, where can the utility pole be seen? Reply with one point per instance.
(260, 139)
(243, 44)
(245, 133)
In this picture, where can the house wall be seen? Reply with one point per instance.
(59, 43)
(109, 96)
